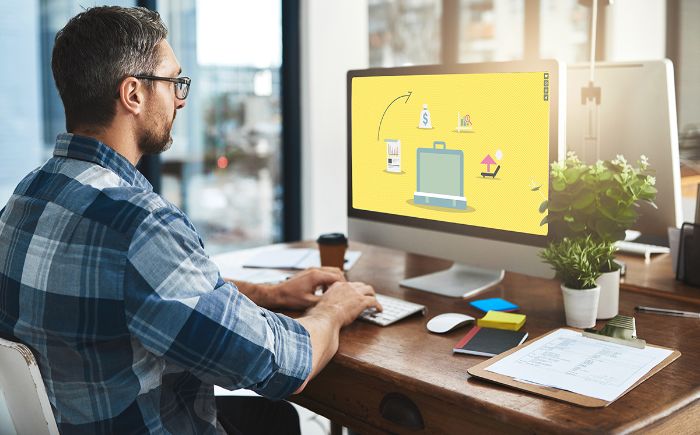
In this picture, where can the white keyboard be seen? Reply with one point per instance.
(641, 248)
(394, 310)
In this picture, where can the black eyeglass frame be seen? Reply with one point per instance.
(177, 80)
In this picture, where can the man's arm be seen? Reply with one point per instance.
(338, 307)
(178, 308)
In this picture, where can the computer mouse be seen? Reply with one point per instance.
(447, 322)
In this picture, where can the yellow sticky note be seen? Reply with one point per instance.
(501, 320)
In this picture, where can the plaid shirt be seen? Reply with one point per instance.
(129, 319)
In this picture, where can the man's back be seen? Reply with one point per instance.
(90, 257)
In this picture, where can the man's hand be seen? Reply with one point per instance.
(298, 292)
(346, 300)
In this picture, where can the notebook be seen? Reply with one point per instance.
(488, 341)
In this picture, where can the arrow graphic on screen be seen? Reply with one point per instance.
(407, 96)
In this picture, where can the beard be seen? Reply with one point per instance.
(156, 138)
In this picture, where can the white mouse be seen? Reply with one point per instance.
(448, 321)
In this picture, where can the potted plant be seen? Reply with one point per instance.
(576, 262)
(599, 201)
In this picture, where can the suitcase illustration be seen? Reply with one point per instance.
(440, 177)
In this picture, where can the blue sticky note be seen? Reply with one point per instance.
(494, 304)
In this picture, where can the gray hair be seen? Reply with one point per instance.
(94, 52)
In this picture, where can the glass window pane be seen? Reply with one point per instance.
(54, 15)
(224, 167)
(688, 73)
(404, 32)
(491, 30)
(30, 108)
(565, 26)
(20, 96)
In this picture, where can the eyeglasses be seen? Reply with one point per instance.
(182, 84)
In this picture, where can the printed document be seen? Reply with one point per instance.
(295, 258)
(569, 361)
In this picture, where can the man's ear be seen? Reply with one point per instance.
(131, 95)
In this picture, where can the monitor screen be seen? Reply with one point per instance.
(461, 150)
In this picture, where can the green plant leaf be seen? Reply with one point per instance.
(583, 201)
(572, 174)
(558, 185)
(613, 193)
(651, 190)
(544, 220)
(605, 176)
(558, 204)
(543, 206)
(577, 226)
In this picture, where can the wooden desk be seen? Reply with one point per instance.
(656, 277)
(410, 362)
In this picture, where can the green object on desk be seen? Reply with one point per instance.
(620, 330)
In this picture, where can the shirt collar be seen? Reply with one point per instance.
(85, 148)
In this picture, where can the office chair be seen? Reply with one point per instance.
(24, 405)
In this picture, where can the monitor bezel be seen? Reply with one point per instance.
(551, 66)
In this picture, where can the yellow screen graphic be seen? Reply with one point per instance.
(470, 149)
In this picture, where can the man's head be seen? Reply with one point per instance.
(97, 60)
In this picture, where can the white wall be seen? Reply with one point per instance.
(635, 30)
(334, 39)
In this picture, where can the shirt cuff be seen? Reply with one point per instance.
(294, 357)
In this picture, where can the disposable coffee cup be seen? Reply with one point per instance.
(332, 247)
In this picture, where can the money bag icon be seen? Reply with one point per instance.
(424, 121)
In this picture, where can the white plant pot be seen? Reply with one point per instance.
(609, 302)
(580, 306)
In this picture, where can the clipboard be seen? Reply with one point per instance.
(479, 371)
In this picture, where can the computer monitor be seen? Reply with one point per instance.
(636, 116)
(453, 162)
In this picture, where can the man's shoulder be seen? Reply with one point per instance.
(91, 192)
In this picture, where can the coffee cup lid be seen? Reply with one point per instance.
(332, 239)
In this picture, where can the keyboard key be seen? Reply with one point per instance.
(394, 310)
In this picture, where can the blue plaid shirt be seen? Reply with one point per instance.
(129, 319)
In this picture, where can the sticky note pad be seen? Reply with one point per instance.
(494, 304)
(501, 320)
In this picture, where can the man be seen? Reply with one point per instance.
(109, 283)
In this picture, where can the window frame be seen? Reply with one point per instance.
(151, 166)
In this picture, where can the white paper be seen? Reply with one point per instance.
(295, 259)
(279, 259)
(257, 276)
(231, 266)
(569, 361)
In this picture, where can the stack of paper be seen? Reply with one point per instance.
(568, 361)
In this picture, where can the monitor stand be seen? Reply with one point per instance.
(459, 281)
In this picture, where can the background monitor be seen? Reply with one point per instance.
(453, 162)
(636, 115)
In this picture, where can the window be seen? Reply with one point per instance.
(404, 32)
(30, 108)
(224, 168)
(684, 51)
(688, 85)
(565, 26)
(491, 30)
